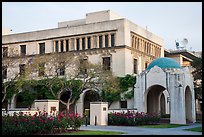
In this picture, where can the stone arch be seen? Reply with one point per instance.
(188, 104)
(89, 95)
(155, 99)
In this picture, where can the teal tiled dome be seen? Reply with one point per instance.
(163, 63)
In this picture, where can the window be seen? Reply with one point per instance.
(22, 69)
(5, 52)
(83, 44)
(106, 41)
(112, 40)
(135, 66)
(89, 42)
(67, 45)
(4, 72)
(83, 66)
(23, 50)
(62, 45)
(123, 104)
(146, 64)
(42, 48)
(106, 63)
(56, 46)
(78, 44)
(61, 69)
(100, 41)
(41, 71)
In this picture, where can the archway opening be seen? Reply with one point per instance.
(188, 105)
(90, 96)
(156, 100)
(64, 97)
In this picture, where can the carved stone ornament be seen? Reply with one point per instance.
(156, 69)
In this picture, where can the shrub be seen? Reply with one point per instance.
(132, 119)
(39, 123)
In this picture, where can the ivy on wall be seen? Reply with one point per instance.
(36, 89)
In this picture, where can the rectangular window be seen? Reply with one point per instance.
(41, 71)
(123, 104)
(106, 63)
(135, 66)
(106, 41)
(67, 45)
(146, 64)
(22, 69)
(112, 40)
(89, 42)
(4, 72)
(100, 41)
(78, 44)
(62, 45)
(5, 52)
(83, 66)
(56, 46)
(42, 48)
(61, 69)
(83, 44)
(23, 50)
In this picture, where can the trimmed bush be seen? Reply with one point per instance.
(23, 124)
(132, 119)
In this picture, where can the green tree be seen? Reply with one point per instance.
(197, 74)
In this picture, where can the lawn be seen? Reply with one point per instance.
(163, 126)
(83, 132)
(196, 129)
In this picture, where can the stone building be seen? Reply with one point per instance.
(101, 37)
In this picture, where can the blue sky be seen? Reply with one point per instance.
(169, 20)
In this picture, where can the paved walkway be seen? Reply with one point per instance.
(145, 131)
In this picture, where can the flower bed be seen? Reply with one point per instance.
(39, 123)
(132, 118)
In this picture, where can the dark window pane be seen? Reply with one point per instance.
(83, 66)
(42, 48)
(123, 104)
(106, 63)
(89, 42)
(100, 41)
(23, 50)
(67, 45)
(61, 69)
(83, 44)
(78, 44)
(56, 46)
(62, 45)
(135, 66)
(112, 40)
(106, 41)
(22, 69)
(41, 71)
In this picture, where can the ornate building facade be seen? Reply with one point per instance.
(102, 37)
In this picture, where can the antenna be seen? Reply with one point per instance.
(185, 42)
(177, 44)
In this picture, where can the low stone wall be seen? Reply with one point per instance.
(17, 111)
(122, 110)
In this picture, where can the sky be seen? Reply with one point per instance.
(172, 21)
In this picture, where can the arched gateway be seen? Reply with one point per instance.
(166, 88)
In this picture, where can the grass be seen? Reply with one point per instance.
(163, 126)
(196, 129)
(85, 132)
